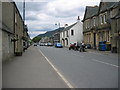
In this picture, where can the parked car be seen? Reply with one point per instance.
(41, 44)
(49, 44)
(45, 44)
(35, 44)
(58, 45)
(88, 46)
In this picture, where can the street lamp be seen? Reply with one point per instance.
(58, 26)
(24, 11)
(58, 30)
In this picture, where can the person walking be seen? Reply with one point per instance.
(82, 47)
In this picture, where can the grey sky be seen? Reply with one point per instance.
(41, 16)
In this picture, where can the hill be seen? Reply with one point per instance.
(51, 33)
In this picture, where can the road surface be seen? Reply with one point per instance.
(84, 69)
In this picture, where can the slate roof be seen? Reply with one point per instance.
(68, 28)
(106, 6)
(94, 10)
(90, 11)
(115, 5)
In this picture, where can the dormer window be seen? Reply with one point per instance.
(105, 18)
(101, 19)
(94, 21)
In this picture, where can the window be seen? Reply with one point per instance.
(72, 32)
(94, 21)
(64, 34)
(108, 36)
(67, 33)
(111, 13)
(16, 18)
(101, 19)
(105, 16)
(86, 25)
(91, 23)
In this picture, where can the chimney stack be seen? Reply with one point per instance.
(78, 18)
(66, 25)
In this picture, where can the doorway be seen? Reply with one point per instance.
(94, 40)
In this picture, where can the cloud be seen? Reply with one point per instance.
(42, 16)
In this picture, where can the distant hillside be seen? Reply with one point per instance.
(50, 33)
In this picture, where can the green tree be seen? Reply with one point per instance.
(36, 39)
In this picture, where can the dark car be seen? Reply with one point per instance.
(58, 45)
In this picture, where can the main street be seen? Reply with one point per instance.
(84, 69)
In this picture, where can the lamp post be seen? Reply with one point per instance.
(58, 31)
(24, 11)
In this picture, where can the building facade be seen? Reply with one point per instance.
(72, 34)
(12, 28)
(98, 25)
(18, 31)
(7, 30)
(115, 25)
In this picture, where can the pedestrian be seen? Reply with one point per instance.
(82, 47)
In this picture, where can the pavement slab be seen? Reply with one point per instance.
(31, 70)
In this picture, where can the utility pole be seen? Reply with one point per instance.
(24, 31)
(24, 11)
(58, 30)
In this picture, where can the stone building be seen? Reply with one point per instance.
(115, 25)
(98, 25)
(7, 30)
(90, 25)
(12, 31)
(26, 38)
(18, 31)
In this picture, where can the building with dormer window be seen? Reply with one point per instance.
(98, 25)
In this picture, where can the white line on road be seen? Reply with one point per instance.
(78, 55)
(63, 78)
(105, 63)
(95, 53)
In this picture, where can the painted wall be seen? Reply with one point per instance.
(78, 33)
(76, 38)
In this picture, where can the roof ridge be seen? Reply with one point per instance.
(92, 6)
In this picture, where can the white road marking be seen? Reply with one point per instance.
(78, 55)
(63, 78)
(95, 53)
(105, 63)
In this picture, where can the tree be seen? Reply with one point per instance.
(36, 39)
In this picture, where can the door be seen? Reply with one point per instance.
(94, 40)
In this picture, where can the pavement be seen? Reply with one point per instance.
(31, 70)
(101, 52)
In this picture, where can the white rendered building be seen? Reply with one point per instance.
(72, 34)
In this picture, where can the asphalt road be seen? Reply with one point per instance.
(84, 69)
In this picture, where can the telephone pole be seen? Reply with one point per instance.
(24, 11)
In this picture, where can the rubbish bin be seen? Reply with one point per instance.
(108, 47)
(102, 46)
(114, 49)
